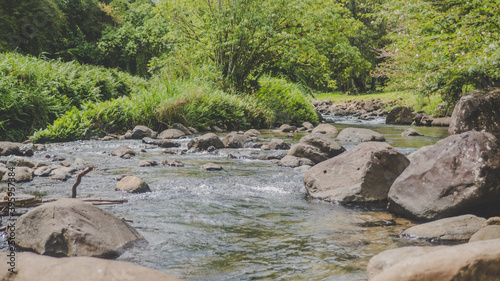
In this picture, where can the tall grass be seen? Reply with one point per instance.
(34, 92)
(190, 102)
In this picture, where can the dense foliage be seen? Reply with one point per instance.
(444, 46)
(35, 92)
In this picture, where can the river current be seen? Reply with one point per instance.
(251, 221)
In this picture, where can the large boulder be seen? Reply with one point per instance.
(70, 227)
(171, 134)
(30, 266)
(235, 140)
(20, 162)
(363, 174)
(449, 230)
(471, 261)
(325, 129)
(132, 184)
(400, 115)
(140, 132)
(478, 111)
(205, 141)
(486, 233)
(359, 135)
(324, 143)
(458, 175)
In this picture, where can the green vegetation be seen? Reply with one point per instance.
(188, 102)
(35, 92)
(234, 64)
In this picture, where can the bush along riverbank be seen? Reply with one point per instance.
(35, 92)
(189, 102)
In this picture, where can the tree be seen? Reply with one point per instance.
(442, 46)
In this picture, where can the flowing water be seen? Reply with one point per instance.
(251, 221)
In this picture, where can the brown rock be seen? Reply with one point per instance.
(458, 175)
(205, 141)
(400, 115)
(292, 161)
(30, 266)
(449, 230)
(302, 150)
(478, 111)
(235, 140)
(486, 233)
(471, 261)
(325, 129)
(171, 134)
(70, 227)
(123, 150)
(359, 135)
(363, 174)
(133, 185)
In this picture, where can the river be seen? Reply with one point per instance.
(251, 221)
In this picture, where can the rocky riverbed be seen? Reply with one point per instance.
(248, 205)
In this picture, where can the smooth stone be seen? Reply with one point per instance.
(132, 184)
(325, 129)
(123, 150)
(211, 167)
(359, 135)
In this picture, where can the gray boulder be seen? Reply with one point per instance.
(171, 134)
(363, 174)
(276, 144)
(471, 261)
(132, 184)
(140, 132)
(252, 133)
(325, 129)
(205, 141)
(458, 175)
(15, 148)
(308, 126)
(123, 150)
(302, 150)
(30, 266)
(182, 128)
(400, 115)
(292, 161)
(324, 143)
(285, 128)
(486, 233)
(43, 171)
(449, 230)
(70, 227)
(235, 140)
(359, 135)
(20, 162)
(478, 111)
(62, 173)
(21, 174)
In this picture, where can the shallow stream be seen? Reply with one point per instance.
(251, 221)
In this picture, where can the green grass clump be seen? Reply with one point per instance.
(34, 92)
(190, 102)
(288, 104)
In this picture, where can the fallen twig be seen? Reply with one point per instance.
(79, 179)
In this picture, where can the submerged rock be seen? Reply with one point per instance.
(458, 175)
(172, 163)
(410, 133)
(132, 184)
(359, 135)
(30, 266)
(363, 174)
(147, 163)
(449, 230)
(70, 227)
(211, 167)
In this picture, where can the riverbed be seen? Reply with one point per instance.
(251, 221)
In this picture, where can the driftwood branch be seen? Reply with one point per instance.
(79, 179)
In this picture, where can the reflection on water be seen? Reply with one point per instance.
(250, 221)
